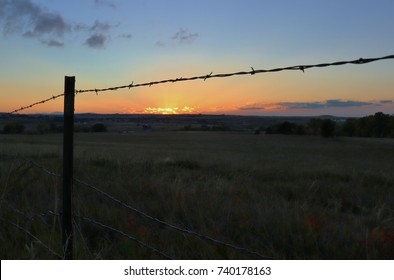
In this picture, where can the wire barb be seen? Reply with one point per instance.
(34, 237)
(53, 97)
(205, 77)
(252, 72)
(174, 227)
(139, 242)
(208, 76)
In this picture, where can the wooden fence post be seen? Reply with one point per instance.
(68, 157)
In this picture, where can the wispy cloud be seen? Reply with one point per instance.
(15, 14)
(96, 41)
(253, 107)
(183, 36)
(30, 20)
(334, 103)
(160, 44)
(105, 3)
(53, 43)
(48, 24)
(98, 33)
(327, 104)
(100, 26)
(126, 36)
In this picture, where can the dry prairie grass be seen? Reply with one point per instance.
(287, 197)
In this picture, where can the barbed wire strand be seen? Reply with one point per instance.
(110, 228)
(174, 227)
(252, 72)
(139, 242)
(31, 217)
(210, 76)
(35, 164)
(36, 103)
(186, 231)
(34, 237)
(27, 216)
(200, 236)
(179, 229)
(13, 208)
(78, 230)
(42, 168)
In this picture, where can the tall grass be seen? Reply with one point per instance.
(287, 197)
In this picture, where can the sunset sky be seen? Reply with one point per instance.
(106, 43)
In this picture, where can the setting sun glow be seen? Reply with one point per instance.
(169, 111)
(104, 47)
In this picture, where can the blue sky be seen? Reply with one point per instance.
(113, 42)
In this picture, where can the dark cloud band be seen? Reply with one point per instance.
(183, 36)
(27, 19)
(334, 103)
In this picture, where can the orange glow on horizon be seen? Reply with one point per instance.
(169, 111)
(243, 96)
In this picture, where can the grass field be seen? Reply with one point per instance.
(286, 197)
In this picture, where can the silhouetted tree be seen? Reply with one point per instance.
(42, 128)
(282, 128)
(53, 128)
(286, 128)
(99, 127)
(187, 127)
(327, 128)
(349, 127)
(314, 126)
(391, 125)
(13, 128)
(381, 125)
(377, 125)
(300, 130)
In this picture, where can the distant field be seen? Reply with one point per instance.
(286, 197)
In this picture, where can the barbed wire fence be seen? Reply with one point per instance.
(179, 229)
(241, 73)
(34, 216)
(211, 75)
(22, 220)
(171, 226)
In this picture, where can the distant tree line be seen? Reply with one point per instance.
(44, 128)
(205, 127)
(378, 125)
(49, 128)
(97, 127)
(11, 128)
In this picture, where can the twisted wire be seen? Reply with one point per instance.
(27, 216)
(36, 103)
(42, 168)
(174, 227)
(34, 237)
(139, 242)
(302, 68)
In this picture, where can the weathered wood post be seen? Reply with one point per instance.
(68, 157)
